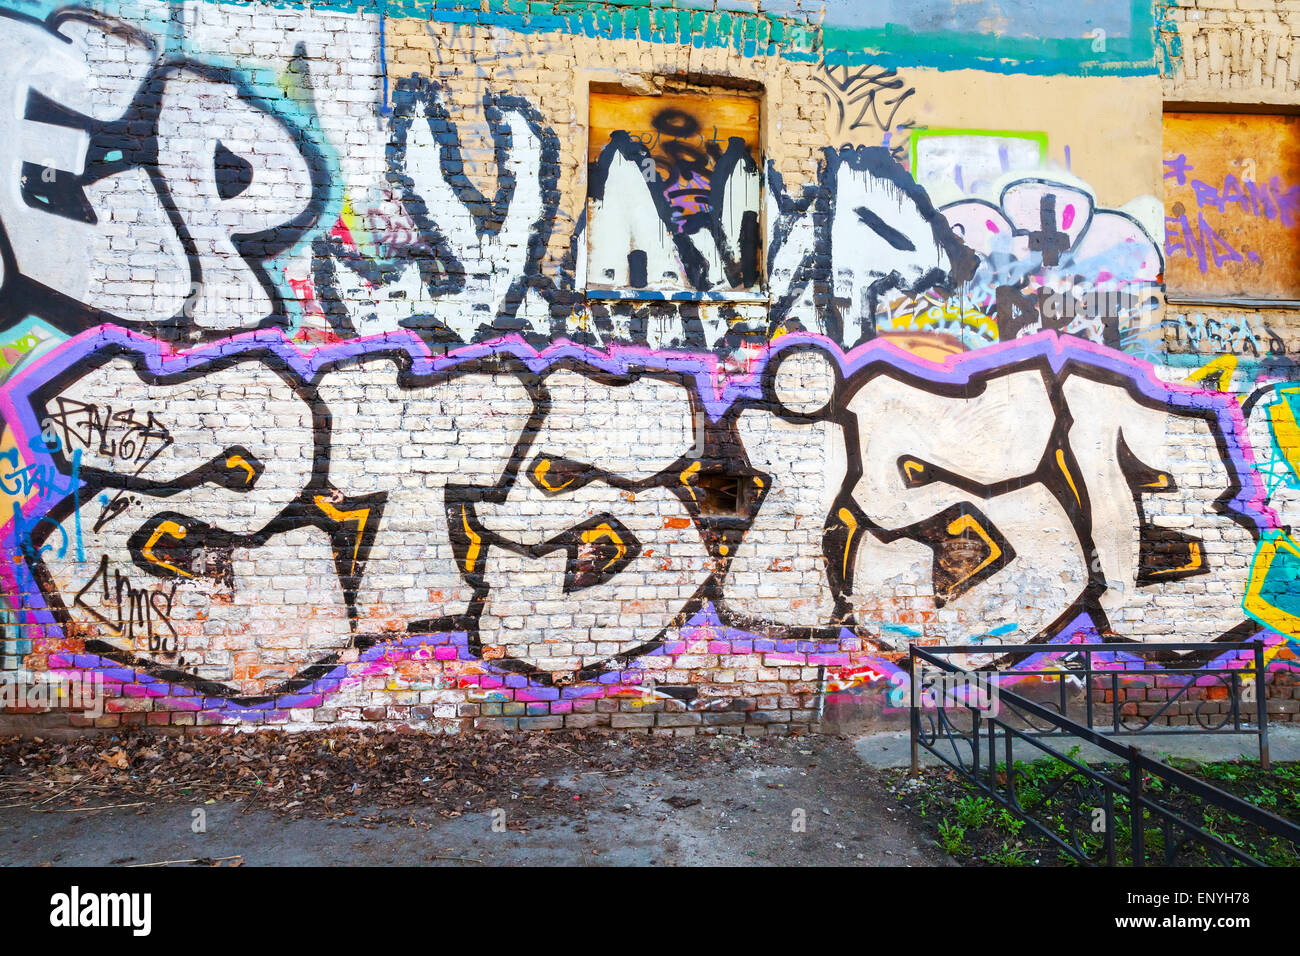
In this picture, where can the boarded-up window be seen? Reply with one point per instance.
(1232, 205)
(673, 195)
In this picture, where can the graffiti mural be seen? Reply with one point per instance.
(595, 494)
(388, 401)
(206, 215)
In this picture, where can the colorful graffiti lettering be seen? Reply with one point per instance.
(334, 407)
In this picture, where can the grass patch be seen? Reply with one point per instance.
(978, 830)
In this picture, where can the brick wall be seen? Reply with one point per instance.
(1232, 50)
(314, 413)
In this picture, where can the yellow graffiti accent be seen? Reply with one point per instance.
(355, 226)
(1285, 428)
(1224, 366)
(475, 542)
(1060, 463)
(1194, 550)
(926, 311)
(970, 317)
(11, 453)
(914, 470)
(1269, 655)
(605, 531)
(967, 523)
(539, 473)
(929, 346)
(237, 461)
(172, 530)
(687, 475)
(852, 524)
(360, 516)
(1254, 603)
(1159, 484)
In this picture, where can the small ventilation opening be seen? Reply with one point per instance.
(721, 494)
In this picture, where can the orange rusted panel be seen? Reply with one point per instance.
(1232, 205)
(689, 119)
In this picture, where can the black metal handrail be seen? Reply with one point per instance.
(1245, 686)
(1082, 794)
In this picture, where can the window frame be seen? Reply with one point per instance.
(760, 293)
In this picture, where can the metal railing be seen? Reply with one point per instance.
(1125, 809)
(1240, 707)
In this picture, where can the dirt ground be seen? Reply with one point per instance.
(354, 798)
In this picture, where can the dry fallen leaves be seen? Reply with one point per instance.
(338, 772)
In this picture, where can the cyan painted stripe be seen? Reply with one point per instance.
(793, 37)
(1129, 53)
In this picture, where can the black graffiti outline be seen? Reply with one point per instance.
(1048, 473)
(879, 163)
(24, 296)
(724, 453)
(833, 411)
(739, 271)
(299, 513)
(844, 86)
(1017, 312)
(441, 272)
(621, 145)
(719, 534)
(814, 267)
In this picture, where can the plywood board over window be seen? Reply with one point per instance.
(1232, 205)
(674, 188)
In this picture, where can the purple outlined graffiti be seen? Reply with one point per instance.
(470, 461)
(1109, 384)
